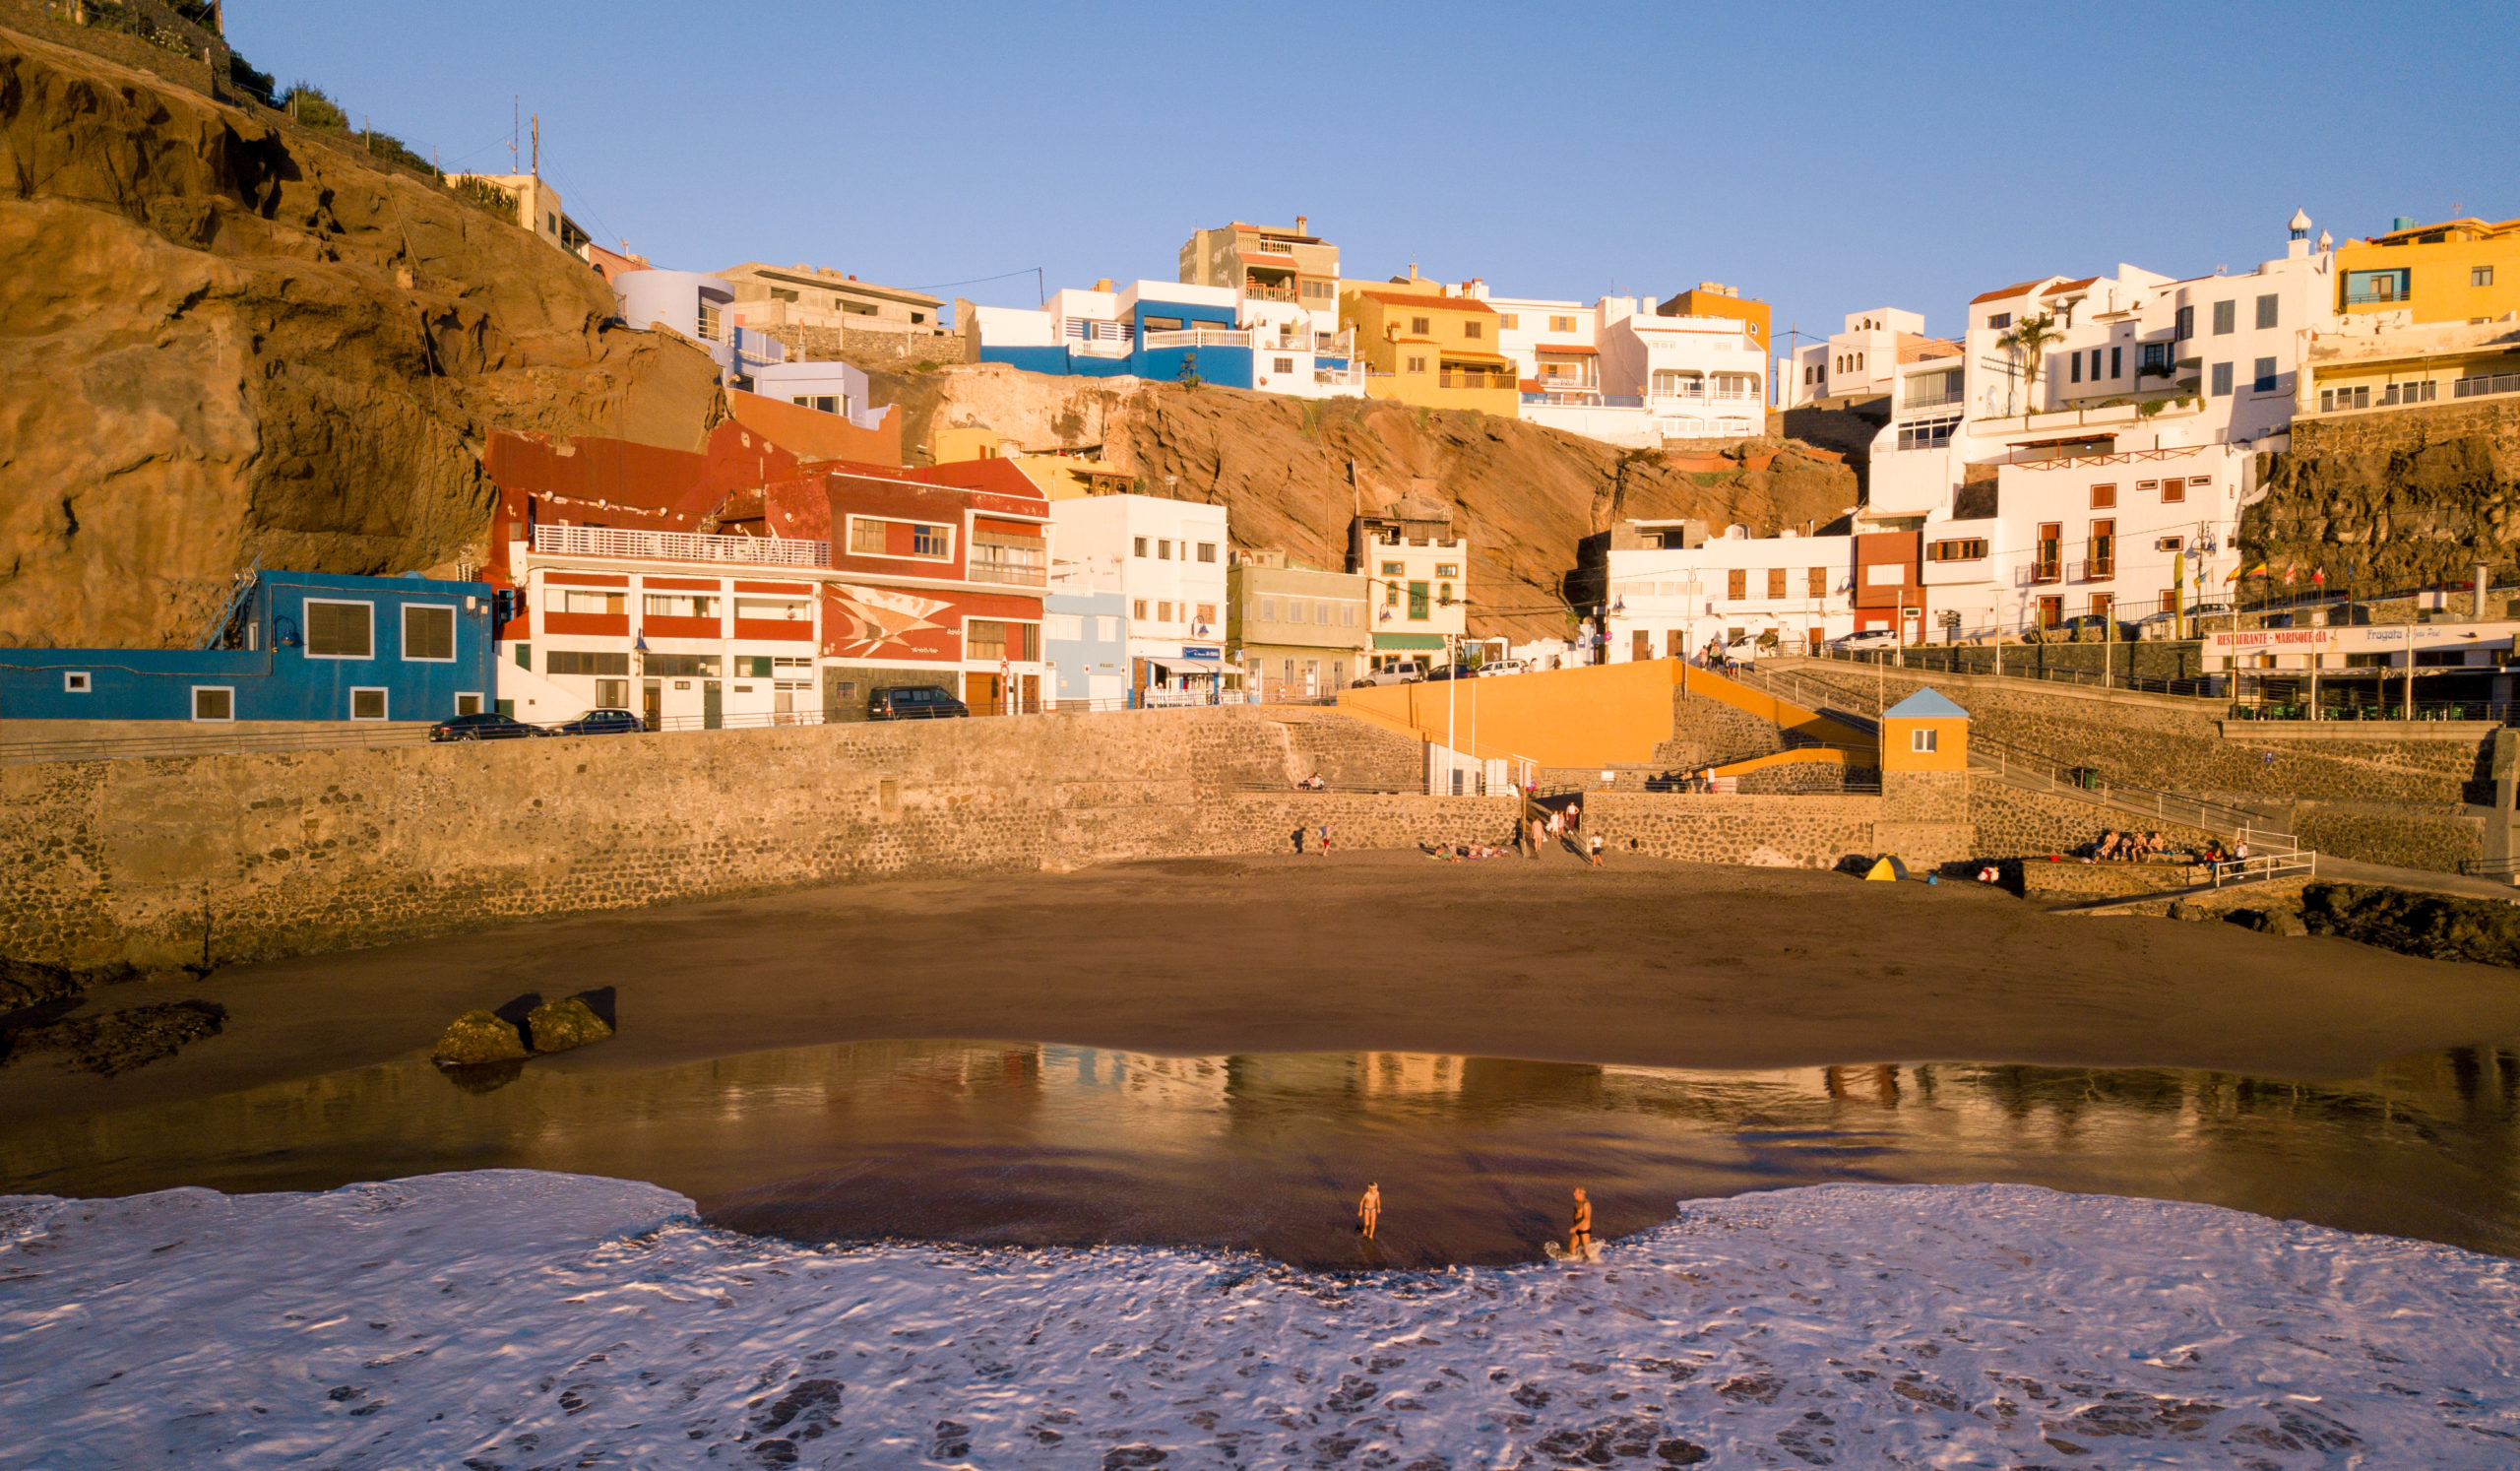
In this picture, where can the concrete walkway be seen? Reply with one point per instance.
(2465, 886)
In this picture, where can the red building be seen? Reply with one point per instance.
(738, 585)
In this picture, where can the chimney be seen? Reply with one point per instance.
(1102, 284)
(2485, 584)
(1301, 222)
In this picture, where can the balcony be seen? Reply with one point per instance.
(2092, 569)
(678, 546)
(1008, 573)
(1261, 291)
(2478, 386)
(2039, 574)
(1475, 380)
(1199, 336)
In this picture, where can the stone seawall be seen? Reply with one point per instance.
(204, 860)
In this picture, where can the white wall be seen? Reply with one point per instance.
(1097, 538)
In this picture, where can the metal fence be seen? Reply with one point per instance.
(1963, 659)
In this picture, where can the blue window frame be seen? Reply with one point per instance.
(2362, 287)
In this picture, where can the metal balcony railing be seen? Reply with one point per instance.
(678, 546)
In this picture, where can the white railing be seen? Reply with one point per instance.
(1012, 574)
(1092, 330)
(678, 546)
(2262, 866)
(1200, 337)
(1351, 376)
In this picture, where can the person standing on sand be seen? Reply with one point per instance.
(1299, 842)
(1369, 1209)
(1325, 840)
(1579, 1236)
(1595, 858)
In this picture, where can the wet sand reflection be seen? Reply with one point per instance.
(1026, 1143)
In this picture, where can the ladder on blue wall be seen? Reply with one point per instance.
(221, 629)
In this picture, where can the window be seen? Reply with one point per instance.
(2222, 380)
(1776, 582)
(367, 704)
(1922, 741)
(2480, 276)
(1958, 549)
(2117, 362)
(1417, 600)
(1106, 628)
(1208, 613)
(870, 536)
(1164, 548)
(213, 702)
(1137, 609)
(2103, 498)
(1137, 545)
(2074, 367)
(1931, 433)
(1932, 390)
(1295, 610)
(339, 630)
(1268, 609)
(428, 632)
(1444, 595)
(1471, 330)
(78, 681)
(775, 610)
(1393, 569)
(1207, 551)
(2183, 324)
(580, 662)
(679, 606)
(929, 541)
(2052, 540)
(2174, 492)
(1416, 364)
(2365, 286)
(2262, 380)
(2103, 550)
(2156, 358)
(1281, 365)
(987, 639)
(583, 600)
(1818, 584)
(1419, 326)
(1737, 584)
(1063, 628)
(1561, 324)
(1448, 569)
(1999, 321)
(1347, 615)
(2226, 317)
(1886, 575)
(1391, 595)
(469, 702)
(2266, 310)
(524, 655)
(678, 666)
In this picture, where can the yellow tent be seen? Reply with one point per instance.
(1886, 870)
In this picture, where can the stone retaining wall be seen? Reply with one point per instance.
(2013, 823)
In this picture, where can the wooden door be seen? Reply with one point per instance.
(980, 692)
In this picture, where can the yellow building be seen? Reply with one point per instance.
(2457, 271)
(2351, 373)
(1423, 346)
(1925, 732)
(1062, 474)
(1713, 299)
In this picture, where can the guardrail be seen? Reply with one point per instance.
(1944, 660)
(190, 740)
(2259, 866)
(678, 546)
(2489, 868)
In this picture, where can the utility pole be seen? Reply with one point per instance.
(538, 146)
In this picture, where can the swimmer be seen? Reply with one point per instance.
(1369, 1209)
(1579, 1236)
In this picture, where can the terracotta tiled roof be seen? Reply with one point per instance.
(2062, 286)
(1419, 298)
(1914, 349)
(1566, 347)
(2015, 290)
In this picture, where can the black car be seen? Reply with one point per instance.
(488, 724)
(601, 723)
(915, 702)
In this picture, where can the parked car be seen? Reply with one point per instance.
(488, 724)
(2203, 615)
(1871, 638)
(1402, 673)
(601, 723)
(1495, 667)
(915, 702)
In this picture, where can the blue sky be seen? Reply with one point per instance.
(1827, 159)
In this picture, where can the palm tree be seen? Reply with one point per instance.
(2025, 340)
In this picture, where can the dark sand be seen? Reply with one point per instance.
(1645, 963)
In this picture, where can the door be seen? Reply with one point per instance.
(713, 705)
(2051, 542)
(2051, 612)
(980, 692)
(655, 698)
(1031, 694)
(1640, 645)
(783, 709)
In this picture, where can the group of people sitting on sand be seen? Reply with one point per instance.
(2116, 847)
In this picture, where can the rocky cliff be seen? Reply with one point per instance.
(226, 337)
(2396, 499)
(1293, 472)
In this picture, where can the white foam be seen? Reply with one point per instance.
(513, 1318)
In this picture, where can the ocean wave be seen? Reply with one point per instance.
(513, 1318)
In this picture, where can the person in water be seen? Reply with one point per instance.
(1369, 1209)
(1579, 1236)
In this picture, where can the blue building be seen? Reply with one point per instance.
(1163, 330)
(287, 646)
(1085, 641)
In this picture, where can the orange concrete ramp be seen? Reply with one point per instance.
(1598, 715)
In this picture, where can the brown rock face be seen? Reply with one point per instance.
(2396, 499)
(1293, 472)
(225, 336)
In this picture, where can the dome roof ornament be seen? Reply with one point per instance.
(2300, 225)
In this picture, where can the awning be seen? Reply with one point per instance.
(1408, 640)
(1183, 666)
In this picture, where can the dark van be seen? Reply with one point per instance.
(913, 702)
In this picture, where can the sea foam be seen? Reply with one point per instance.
(513, 1318)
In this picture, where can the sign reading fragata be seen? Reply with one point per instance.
(2358, 638)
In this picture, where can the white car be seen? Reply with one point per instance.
(1495, 667)
(1401, 674)
(1871, 638)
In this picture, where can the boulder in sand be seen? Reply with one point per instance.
(557, 1026)
(478, 1037)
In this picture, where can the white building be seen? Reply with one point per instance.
(1167, 559)
(1861, 362)
(1617, 372)
(1154, 329)
(1672, 588)
(2146, 385)
(1418, 587)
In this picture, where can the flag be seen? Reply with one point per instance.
(2318, 579)
(2237, 573)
